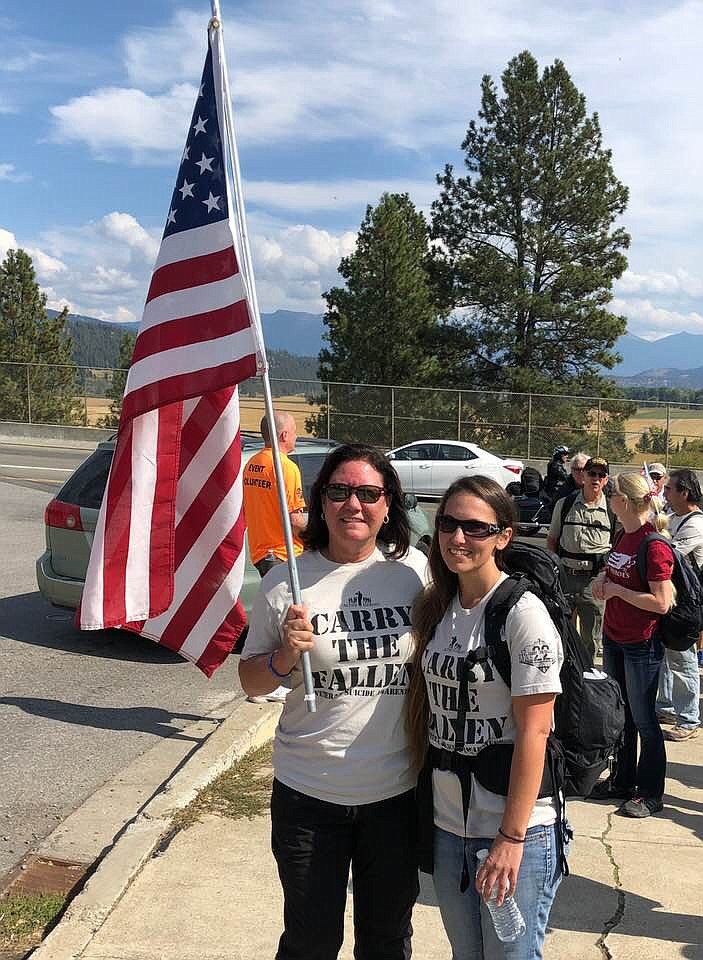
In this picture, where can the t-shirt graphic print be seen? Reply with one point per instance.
(536, 659)
(354, 749)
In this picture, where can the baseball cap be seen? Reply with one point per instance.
(657, 468)
(597, 463)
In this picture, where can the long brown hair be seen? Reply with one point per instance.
(434, 600)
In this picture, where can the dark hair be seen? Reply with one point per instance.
(433, 601)
(396, 532)
(687, 482)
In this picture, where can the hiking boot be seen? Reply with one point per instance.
(666, 718)
(607, 790)
(681, 733)
(640, 807)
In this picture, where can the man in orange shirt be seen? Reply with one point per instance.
(261, 507)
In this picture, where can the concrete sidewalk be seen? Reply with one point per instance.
(212, 892)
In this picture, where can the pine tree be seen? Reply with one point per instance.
(44, 391)
(380, 325)
(529, 249)
(119, 380)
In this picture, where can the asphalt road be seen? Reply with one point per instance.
(75, 708)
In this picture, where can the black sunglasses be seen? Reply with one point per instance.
(656, 476)
(366, 493)
(597, 473)
(475, 529)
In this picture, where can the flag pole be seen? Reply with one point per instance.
(245, 253)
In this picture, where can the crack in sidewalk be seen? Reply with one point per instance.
(612, 922)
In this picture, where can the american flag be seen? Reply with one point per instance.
(167, 560)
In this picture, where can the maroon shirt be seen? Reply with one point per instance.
(625, 623)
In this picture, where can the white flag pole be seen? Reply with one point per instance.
(246, 265)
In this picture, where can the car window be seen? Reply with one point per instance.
(87, 485)
(451, 451)
(419, 451)
(310, 465)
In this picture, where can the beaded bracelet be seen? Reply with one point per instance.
(508, 837)
(281, 676)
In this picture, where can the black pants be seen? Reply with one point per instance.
(314, 843)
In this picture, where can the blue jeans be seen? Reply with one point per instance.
(635, 666)
(466, 918)
(680, 687)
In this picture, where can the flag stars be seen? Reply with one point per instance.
(212, 203)
(205, 163)
(199, 126)
(171, 218)
(186, 155)
(186, 190)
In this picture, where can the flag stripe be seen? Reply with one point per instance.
(208, 238)
(192, 301)
(162, 534)
(200, 511)
(231, 559)
(143, 475)
(193, 272)
(118, 515)
(203, 327)
(179, 387)
(206, 414)
(197, 469)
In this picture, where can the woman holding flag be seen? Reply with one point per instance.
(343, 787)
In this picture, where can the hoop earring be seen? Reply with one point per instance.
(386, 519)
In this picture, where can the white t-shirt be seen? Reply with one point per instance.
(354, 749)
(536, 657)
(687, 535)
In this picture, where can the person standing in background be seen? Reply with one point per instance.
(679, 681)
(262, 510)
(577, 475)
(581, 534)
(657, 474)
(261, 506)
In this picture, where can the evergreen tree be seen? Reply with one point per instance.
(119, 380)
(45, 390)
(529, 250)
(381, 324)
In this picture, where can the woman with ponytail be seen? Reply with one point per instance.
(632, 654)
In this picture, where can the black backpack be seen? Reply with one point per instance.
(589, 713)
(680, 627)
(530, 482)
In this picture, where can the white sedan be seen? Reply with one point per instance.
(426, 468)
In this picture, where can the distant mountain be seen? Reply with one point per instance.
(677, 351)
(664, 377)
(293, 331)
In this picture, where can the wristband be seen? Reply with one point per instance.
(281, 676)
(508, 837)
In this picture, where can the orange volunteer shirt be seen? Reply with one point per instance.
(261, 509)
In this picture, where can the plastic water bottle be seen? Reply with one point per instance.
(507, 919)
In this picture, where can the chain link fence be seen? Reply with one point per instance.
(521, 425)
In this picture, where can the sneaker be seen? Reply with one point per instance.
(667, 718)
(276, 696)
(607, 790)
(641, 807)
(700, 659)
(681, 733)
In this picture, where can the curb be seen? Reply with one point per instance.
(246, 728)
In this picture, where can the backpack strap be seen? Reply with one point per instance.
(566, 505)
(499, 605)
(643, 551)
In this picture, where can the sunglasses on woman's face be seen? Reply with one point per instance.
(475, 529)
(366, 493)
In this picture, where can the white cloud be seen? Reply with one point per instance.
(651, 322)
(108, 281)
(45, 266)
(8, 241)
(22, 62)
(8, 172)
(119, 315)
(126, 229)
(662, 283)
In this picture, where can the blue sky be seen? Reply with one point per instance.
(335, 102)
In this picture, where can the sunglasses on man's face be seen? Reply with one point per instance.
(656, 476)
(577, 469)
(366, 493)
(597, 475)
(475, 529)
